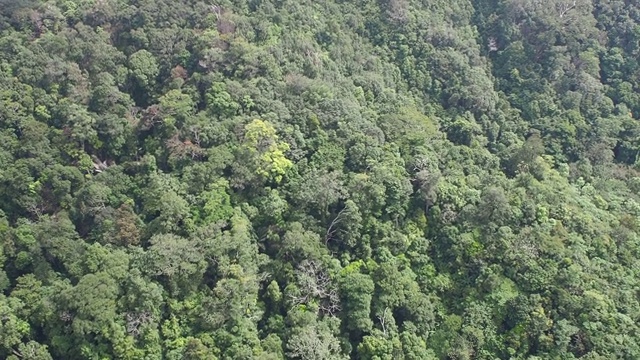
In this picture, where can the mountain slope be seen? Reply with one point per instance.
(319, 180)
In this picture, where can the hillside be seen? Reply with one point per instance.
(330, 179)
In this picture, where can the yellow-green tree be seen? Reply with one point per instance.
(263, 153)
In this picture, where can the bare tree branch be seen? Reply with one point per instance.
(565, 8)
(331, 230)
(136, 320)
(383, 321)
(315, 283)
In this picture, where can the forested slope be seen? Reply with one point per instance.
(271, 179)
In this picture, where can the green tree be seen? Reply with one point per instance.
(262, 153)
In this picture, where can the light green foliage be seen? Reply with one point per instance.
(265, 152)
(217, 203)
(314, 341)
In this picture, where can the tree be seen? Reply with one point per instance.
(316, 286)
(144, 69)
(176, 259)
(314, 342)
(357, 293)
(217, 203)
(262, 153)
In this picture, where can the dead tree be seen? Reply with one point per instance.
(383, 321)
(564, 8)
(315, 284)
(332, 229)
(137, 320)
(100, 165)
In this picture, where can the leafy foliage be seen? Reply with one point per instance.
(389, 179)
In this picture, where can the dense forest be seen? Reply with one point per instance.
(328, 179)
